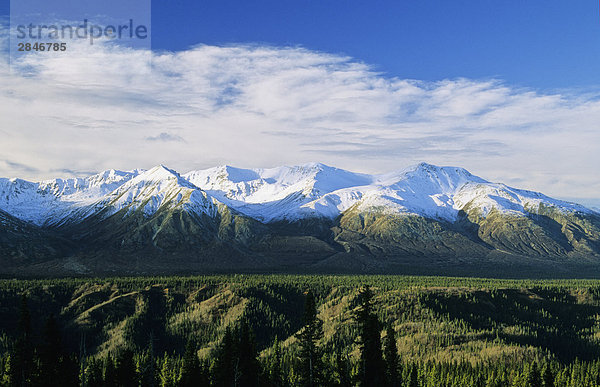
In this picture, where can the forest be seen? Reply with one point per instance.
(299, 330)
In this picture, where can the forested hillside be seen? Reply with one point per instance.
(300, 330)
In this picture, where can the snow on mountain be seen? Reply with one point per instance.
(486, 197)
(90, 188)
(319, 190)
(423, 189)
(441, 192)
(51, 201)
(21, 199)
(282, 193)
(157, 188)
(276, 193)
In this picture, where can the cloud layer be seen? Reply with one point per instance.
(101, 107)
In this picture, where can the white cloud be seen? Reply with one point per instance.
(265, 106)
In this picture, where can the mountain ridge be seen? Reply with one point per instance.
(306, 217)
(318, 188)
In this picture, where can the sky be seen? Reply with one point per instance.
(509, 90)
(538, 43)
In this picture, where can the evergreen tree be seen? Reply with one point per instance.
(371, 371)
(110, 374)
(204, 373)
(310, 372)
(50, 354)
(246, 357)
(479, 380)
(147, 368)
(547, 376)
(275, 374)
(391, 357)
(342, 369)
(167, 375)
(236, 359)
(413, 377)
(534, 379)
(94, 373)
(6, 379)
(223, 370)
(56, 368)
(125, 374)
(190, 369)
(69, 370)
(22, 364)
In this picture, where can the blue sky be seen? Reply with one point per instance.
(508, 89)
(538, 43)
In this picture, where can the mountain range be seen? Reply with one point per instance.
(307, 218)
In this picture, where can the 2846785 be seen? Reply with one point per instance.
(42, 47)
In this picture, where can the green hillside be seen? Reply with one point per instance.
(462, 325)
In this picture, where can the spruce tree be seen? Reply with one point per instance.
(534, 379)
(55, 366)
(22, 365)
(371, 372)
(125, 372)
(94, 373)
(310, 373)
(190, 368)
(246, 356)
(69, 370)
(342, 369)
(7, 375)
(110, 375)
(547, 376)
(274, 371)
(391, 357)
(166, 373)
(413, 377)
(204, 373)
(147, 367)
(50, 354)
(223, 371)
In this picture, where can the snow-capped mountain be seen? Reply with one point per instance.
(280, 193)
(159, 187)
(273, 194)
(292, 193)
(52, 201)
(283, 218)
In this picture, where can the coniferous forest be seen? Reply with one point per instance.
(293, 330)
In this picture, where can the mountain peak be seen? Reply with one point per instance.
(113, 175)
(165, 169)
(159, 187)
(424, 167)
(158, 173)
(315, 166)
